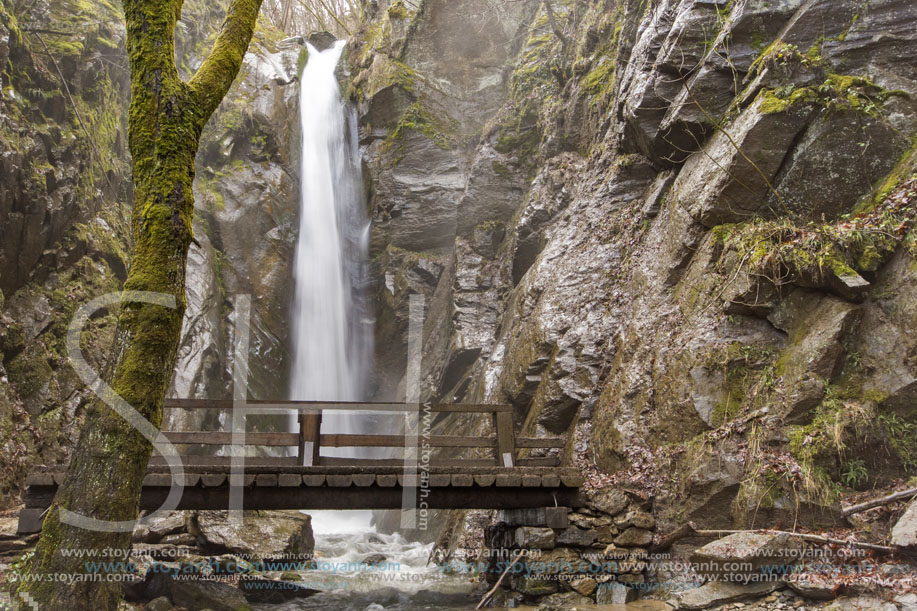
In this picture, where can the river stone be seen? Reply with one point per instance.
(533, 537)
(375, 559)
(614, 593)
(721, 593)
(563, 602)
(904, 532)
(635, 517)
(577, 537)
(754, 549)
(812, 586)
(607, 500)
(159, 604)
(272, 591)
(154, 530)
(860, 603)
(584, 585)
(267, 534)
(534, 586)
(634, 537)
(196, 595)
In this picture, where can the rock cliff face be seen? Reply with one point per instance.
(65, 208)
(64, 188)
(678, 232)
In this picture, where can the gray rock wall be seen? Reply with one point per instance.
(677, 233)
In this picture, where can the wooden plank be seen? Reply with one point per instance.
(506, 449)
(226, 461)
(506, 480)
(532, 442)
(266, 479)
(219, 438)
(485, 480)
(462, 480)
(364, 479)
(157, 479)
(314, 480)
(354, 497)
(256, 464)
(303, 439)
(461, 463)
(314, 406)
(539, 462)
(212, 480)
(398, 441)
(387, 480)
(339, 481)
(289, 479)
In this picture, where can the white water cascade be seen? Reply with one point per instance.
(331, 324)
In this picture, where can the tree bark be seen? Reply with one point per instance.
(167, 116)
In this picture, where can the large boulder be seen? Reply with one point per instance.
(904, 533)
(718, 593)
(197, 595)
(262, 534)
(746, 555)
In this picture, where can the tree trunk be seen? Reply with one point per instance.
(106, 470)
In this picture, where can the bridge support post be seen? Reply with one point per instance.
(506, 442)
(310, 436)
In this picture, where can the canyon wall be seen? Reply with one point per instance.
(676, 232)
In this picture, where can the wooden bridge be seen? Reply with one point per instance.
(309, 480)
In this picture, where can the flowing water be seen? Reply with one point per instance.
(332, 345)
(332, 338)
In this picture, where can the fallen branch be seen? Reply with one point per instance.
(689, 530)
(499, 581)
(666, 541)
(885, 500)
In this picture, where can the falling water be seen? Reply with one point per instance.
(331, 333)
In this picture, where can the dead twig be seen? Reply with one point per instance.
(885, 500)
(690, 530)
(499, 581)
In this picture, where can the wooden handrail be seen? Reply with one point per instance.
(315, 406)
(309, 440)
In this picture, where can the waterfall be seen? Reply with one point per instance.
(331, 323)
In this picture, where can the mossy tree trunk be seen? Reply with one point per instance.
(167, 116)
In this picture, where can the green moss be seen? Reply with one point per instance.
(442, 131)
(837, 93)
(398, 10)
(29, 371)
(857, 243)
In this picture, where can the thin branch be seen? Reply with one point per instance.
(219, 70)
(691, 530)
(499, 581)
(885, 500)
(554, 26)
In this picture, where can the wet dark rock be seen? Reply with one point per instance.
(197, 595)
(272, 591)
(322, 40)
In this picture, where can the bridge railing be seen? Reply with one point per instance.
(309, 440)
